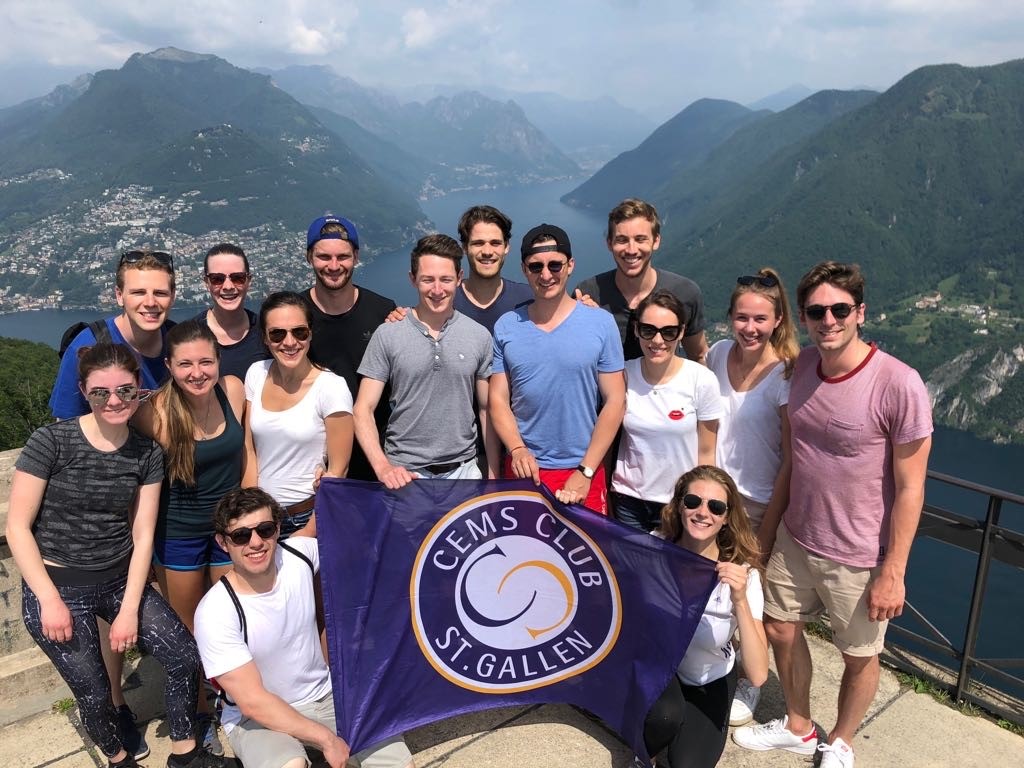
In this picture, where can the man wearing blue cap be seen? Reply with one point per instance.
(344, 314)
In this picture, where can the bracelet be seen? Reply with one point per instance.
(513, 450)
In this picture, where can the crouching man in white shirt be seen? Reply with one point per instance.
(258, 638)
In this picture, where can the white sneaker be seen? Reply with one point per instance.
(744, 703)
(775, 735)
(836, 755)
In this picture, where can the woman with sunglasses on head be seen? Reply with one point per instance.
(753, 370)
(690, 719)
(299, 417)
(227, 277)
(80, 525)
(672, 412)
(196, 418)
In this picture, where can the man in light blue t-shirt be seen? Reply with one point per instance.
(557, 393)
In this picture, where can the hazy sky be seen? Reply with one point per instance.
(656, 55)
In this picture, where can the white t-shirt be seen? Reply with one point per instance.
(711, 655)
(659, 430)
(291, 443)
(750, 431)
(283, 638)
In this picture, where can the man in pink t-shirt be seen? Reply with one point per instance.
(861, 427)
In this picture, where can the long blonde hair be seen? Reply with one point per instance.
(736, 540)
(174, 420)
(784, 339)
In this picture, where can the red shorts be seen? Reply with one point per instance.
(554, 479)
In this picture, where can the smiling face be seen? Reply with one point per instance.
(486, 250)
(289, 352)
(753, 321)
(700, 526)
(435, 281)
(111, 379)
(194, 367)
(545, 283)
(334, 262)
(146, 297)
(658, 350)
(230, 294)
(632, 244)
(831, 335)
(253, 560)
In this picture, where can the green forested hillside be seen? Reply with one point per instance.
(27, 372)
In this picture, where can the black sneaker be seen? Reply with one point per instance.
(132, 740)
(206, 734)
(201, 758)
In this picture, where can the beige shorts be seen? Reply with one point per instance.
(258, 747)
(755, 511)
(800, 586)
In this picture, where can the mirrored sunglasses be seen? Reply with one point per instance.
(716, 507)
(98, 397)
(299, 333)
(241, 536)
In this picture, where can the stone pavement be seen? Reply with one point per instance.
(903, 729)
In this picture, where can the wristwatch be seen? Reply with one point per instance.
(587, 472)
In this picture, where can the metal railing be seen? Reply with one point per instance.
(992, 542)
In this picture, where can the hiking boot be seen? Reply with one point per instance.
(206, 734)
(199, 758)
(775, 735)
(745, 702)
(836, 755)
(132, 739)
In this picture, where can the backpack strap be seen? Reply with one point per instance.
(100, 331)
(288, 548)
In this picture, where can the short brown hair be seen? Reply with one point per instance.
(484, 214)
(436, 245)
(666, 300)
(241, 501)
(846, 277)
(632, 208)
(146, 261)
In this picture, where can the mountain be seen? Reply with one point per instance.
(466, 138)
(783, 99)
(681, 143)
(181, 122)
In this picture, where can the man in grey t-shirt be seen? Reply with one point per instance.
(634, 234)
(437, 362)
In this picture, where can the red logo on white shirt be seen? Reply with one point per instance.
(675, 415)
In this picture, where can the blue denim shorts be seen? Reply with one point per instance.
(189, 554)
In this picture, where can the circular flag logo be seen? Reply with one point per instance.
(508, 595)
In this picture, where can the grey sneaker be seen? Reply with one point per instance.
(207, 736)
(744, 703)
(132, 739)
(836, 755)
(775, 735)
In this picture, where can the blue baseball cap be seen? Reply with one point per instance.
(314, 234)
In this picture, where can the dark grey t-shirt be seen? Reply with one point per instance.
(84, 520)
(606, 294)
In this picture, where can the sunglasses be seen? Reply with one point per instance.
(716, 507)
(241, 536)
(554, 267)
(134, 257)
(766, 281)
(646, 331)
(98, 397)
(299, 333)
(219, 278)
(839, 311)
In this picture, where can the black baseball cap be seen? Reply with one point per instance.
(546, 232)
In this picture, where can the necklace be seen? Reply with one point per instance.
(203, 428)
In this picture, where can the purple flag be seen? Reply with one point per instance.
(448, 597)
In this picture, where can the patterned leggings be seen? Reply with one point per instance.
(80, 662)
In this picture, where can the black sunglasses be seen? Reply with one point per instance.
(716, 507)
(646, 331)
(299, 333)
(98, 397)
(554, 267)
(241, 536)
(766, 281)
(134, 257)
(219, 278)
(839, 311)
